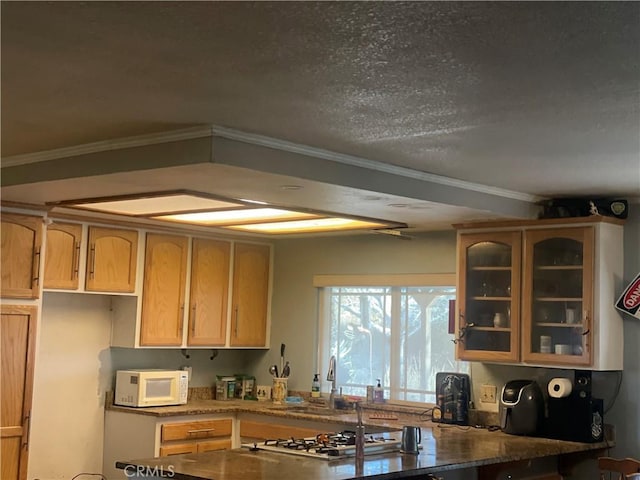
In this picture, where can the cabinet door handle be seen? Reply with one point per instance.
(36, 264)
(181, 322)
(26, 431)
(92, 264)
(193, 319)
(200, 430)
(235, 330)
(586, 322)
(76, 261)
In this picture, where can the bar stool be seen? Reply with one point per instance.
(626, 468)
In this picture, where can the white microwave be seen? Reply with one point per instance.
(151, 388)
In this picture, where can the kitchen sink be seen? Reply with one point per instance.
(308, 410)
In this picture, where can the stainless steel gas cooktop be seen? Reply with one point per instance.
(331, 446)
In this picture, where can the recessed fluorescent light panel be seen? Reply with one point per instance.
(236, 214)
(308, 226)
(157, 205)
(225, 217)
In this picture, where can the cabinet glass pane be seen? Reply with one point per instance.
(557, 307)
(488, 297)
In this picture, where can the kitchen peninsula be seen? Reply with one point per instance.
(444, 450)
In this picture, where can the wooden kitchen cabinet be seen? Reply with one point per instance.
(111, 260)
(555, 282)
(193, 280)
(20, 255)
(165, 270)
(131, 434)
(250, 295)
(256, 430)
(489, 296)
(196, 436)
(62, 256)
(208, 293)
(17, 355)
(557, 300)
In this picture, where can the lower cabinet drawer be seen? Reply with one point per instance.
(260, 430)
(211, 445)
(178, 448)
(196, 430)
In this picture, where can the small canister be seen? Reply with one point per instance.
(369, 393)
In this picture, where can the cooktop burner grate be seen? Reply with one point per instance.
(331, 445)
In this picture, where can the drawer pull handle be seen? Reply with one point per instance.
(200, 430)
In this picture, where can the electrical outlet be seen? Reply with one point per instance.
(488, 393)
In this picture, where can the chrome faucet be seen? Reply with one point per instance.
(331, 377)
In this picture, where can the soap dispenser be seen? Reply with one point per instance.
(378, 393)
(315, 386)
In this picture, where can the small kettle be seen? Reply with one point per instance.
(411, 439)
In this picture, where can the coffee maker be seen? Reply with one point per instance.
(576, 415)
(453, 392)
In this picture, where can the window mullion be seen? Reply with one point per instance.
(395, 350)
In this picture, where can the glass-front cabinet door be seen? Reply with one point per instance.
(489, 266)
(557, 296)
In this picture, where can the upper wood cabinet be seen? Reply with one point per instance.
(112, 257)
(250, 295)
(541, 293)
(20, 255)
(62, 256)
(165, 270)
(558, 296)
(209, 291)
(489, 296)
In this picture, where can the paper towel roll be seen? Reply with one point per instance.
(559, 387)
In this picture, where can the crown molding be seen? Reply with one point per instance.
(259, 140)
(107, 145)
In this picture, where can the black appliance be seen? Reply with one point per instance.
(453, 391)
(578, 417)
(522, 408)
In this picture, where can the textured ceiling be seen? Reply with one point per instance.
(541, 98)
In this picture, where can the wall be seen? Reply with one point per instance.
(294, 303)
(72, 372)
(75, 367)
(625, 414)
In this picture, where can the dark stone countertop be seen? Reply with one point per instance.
(321, 415)
(444, 447)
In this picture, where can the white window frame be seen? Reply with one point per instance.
(322, 282)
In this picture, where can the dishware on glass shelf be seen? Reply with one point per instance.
(570, 315)
(411, 439)
(545, 344)
(499, 320)
(563, 349)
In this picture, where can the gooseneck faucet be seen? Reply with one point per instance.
(331, 377)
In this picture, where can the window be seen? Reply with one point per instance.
(396, 332)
